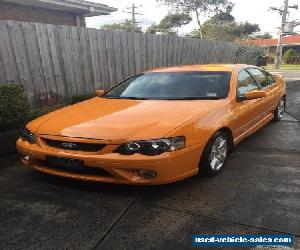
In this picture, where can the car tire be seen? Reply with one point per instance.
(215, 154)
(279, 111)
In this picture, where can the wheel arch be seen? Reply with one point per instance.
(228, 131)
(203, 163)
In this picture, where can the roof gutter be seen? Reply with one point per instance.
(85, 8)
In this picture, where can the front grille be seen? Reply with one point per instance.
(75, 146)
(85, 170)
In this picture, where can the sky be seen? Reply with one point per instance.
(253, 11)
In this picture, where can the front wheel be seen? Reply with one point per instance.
(215, 154)
(278, 113)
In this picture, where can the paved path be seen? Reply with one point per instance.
(258, 192)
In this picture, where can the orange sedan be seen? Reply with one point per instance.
(157, 127)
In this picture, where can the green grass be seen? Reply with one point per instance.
(285, 67)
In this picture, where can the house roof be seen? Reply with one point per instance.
(81, 7)
(287, 40)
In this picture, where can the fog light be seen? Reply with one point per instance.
(147, 174)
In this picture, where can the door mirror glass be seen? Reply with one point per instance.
(251, 95)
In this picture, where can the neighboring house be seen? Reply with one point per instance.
(289, 42)
(64, 12)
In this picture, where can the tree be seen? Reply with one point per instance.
(169, 22)
(246, 29)
(155, 28)
(152, 29)
(125, 26)
(198, 7)
(266, 35)
(222, 18)
(175, 20)
(222, 26)
(289, 55)
(231, 32)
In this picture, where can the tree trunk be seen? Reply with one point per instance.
(199, 23)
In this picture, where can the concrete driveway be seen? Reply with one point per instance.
(258, 192)
(290, 75)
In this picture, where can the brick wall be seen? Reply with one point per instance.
(16, 12)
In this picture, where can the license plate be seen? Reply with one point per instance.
(64, 162)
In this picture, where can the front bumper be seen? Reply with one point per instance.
(121, 169)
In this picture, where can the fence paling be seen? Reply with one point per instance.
(56, 62)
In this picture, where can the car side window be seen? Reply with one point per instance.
(245, 83)
(263, 79)
(270, 77)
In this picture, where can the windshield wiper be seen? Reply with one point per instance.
(122, 97)
(133, 98)
(110, 97)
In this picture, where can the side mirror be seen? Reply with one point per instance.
(255, 95)
(100, 92)
(277, 77)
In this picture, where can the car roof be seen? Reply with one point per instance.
(200, 67)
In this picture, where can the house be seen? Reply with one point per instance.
(289, 42)
(63, 12)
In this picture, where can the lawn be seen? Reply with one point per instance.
(285, 67)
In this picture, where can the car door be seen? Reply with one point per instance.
(268, 84)
(246, 112)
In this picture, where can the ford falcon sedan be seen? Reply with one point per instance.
(156, 127)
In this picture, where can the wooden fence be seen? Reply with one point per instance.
(56, 62)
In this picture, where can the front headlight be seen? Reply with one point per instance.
(152, 147)
(28, 136)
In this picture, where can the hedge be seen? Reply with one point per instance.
(14, 107)
(291, 56)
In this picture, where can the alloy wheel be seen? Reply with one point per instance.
(218, 153)
(281, 108)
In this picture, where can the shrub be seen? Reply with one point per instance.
(270, 60)
(80, 98)
(288, 55)
(294, 60)
(14, 107)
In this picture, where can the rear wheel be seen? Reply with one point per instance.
(215, 154)
(278, 113)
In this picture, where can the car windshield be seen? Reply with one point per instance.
(173, 86)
